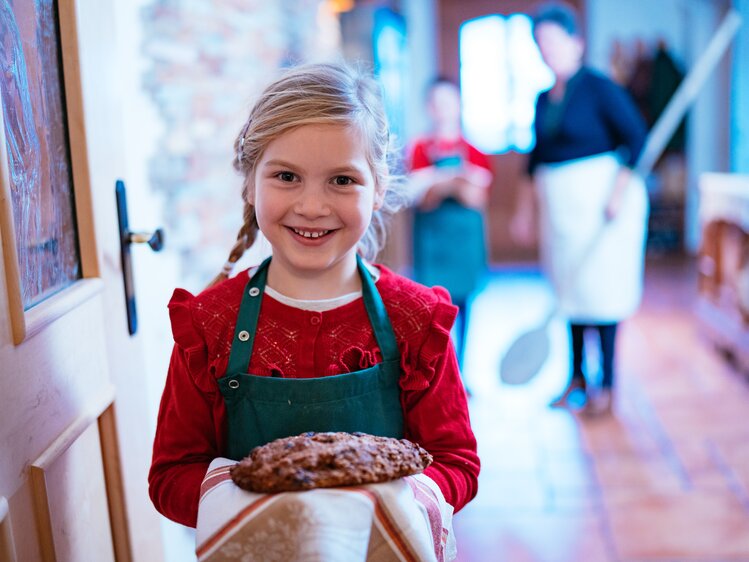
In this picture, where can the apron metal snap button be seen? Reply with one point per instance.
(233, 383)
(254, 292)
(243, 335)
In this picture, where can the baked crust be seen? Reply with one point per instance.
(326, 460)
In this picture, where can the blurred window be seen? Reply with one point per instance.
(501, 74)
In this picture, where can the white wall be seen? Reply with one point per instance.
(686, 26)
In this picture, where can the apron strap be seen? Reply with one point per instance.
(249, 311)
(378, 316)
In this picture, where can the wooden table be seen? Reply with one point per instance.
(723, 303)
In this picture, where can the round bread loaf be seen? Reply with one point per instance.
(325, 460)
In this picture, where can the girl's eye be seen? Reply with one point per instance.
(286, 176)
(343, 180)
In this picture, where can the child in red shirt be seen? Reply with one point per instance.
(316, 338)
(449, 180)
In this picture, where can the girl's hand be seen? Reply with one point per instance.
(476, 175)
(436, 194)
(471, 186)
(429, 186)
(469, 194)
(430, 200)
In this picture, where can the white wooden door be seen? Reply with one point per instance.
(74, 439)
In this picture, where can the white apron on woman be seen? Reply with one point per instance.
(601, 281)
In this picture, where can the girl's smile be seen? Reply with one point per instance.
(312, 237)
(310, 233)
(314, 194)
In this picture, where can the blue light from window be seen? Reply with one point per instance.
(501, 74)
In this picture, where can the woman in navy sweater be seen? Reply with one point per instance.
(592, 207)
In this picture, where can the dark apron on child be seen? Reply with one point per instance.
(450, 244)
(450, 248)
(260, 409)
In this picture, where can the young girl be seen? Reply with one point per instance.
(450, 180)
(316, 338)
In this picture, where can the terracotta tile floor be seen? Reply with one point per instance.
(664, 479)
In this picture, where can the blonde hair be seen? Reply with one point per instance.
(318, 94)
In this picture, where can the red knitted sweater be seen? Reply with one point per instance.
(295, 343)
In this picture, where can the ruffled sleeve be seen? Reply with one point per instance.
(188, 338)
(419, 359)
(434, 402)
(190, 430)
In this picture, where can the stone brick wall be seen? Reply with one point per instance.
(205, 62)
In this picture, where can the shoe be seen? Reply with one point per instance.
(576, 384)
(600, 404)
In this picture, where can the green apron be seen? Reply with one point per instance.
(261, 409)
(449, 243)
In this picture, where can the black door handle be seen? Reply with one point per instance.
(127, 237)
(154, 239)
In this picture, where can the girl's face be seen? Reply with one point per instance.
(314, 194)
(562, 52)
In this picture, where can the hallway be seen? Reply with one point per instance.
(666, 478)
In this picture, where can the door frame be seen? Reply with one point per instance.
(117, 399)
